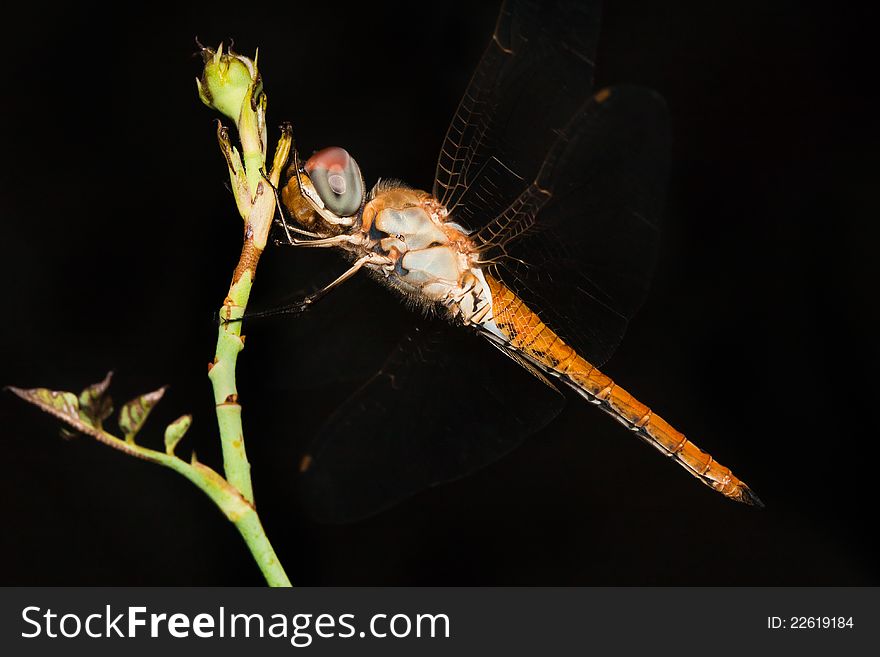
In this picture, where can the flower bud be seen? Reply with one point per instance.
(228, 82)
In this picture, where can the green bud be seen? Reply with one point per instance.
(228, 81)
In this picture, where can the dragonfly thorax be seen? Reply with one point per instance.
(431, 259)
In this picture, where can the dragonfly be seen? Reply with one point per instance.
(532, 251)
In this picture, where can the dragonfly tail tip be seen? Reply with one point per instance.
(747, 496)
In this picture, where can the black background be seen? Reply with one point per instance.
(758, 338)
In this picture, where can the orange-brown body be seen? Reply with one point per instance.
(399, 198)
(528, 334)
(391, 247)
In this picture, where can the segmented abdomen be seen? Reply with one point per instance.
(531, 337)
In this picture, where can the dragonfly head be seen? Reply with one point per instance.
(326, 193)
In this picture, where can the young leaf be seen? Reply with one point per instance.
(94, 403)
(175, 431)
(61, 404)
(134, 413)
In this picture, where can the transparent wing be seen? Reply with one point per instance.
(321, 348)
(534, 75)
(579, 242)
(562, 190)
(443, 405)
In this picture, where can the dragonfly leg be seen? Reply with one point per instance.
(305, 303)
(327, 242)
(321, 242)
(369, 259)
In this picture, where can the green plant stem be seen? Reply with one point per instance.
(233, 495)
(252, 532)
(257, 207)
(222, 375)
(229, 500)
(240, 512)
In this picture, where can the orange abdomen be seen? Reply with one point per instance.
(530, 336)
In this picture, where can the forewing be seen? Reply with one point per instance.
(579, 243)
(534, 75)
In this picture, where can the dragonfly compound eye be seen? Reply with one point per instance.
(337, 179)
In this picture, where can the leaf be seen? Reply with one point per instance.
(61, 404)
(134, 413)
(175, 431)
(94, 403)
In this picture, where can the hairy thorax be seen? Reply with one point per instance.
(432, 259)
